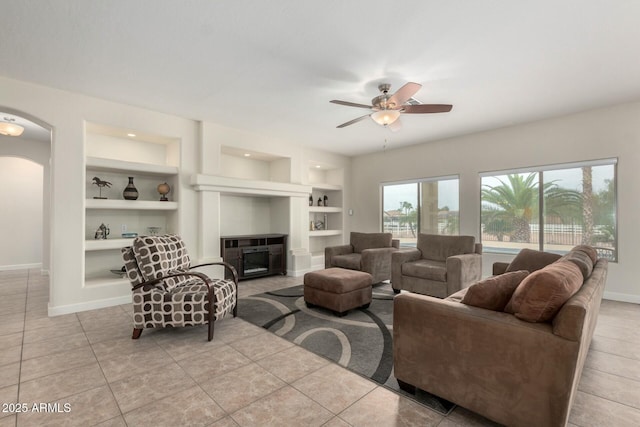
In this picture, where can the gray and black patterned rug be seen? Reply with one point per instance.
(361, 341)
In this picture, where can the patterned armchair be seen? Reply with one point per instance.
(167, 294)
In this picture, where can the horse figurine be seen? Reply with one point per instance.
(101, 184)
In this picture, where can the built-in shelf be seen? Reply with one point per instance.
(107, 281)
(121, 166)
(106, 244)
(327, 187)
(323, 209)
(130, 204)
(318, 233)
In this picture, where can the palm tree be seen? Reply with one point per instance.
(516, 202)
(587, 205)
(407, 207)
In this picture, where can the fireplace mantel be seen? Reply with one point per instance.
(248, 187)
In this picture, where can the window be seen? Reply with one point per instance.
(551, 209)
(425, 206)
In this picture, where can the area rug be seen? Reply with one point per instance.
(361, 341)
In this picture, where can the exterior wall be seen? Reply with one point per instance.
(604, 133)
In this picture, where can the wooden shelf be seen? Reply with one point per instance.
(319, 233)
(110, 165)
(106, 244)
(130, 204)
(325, 209)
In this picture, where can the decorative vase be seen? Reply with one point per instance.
(310, 200)
(130, 191)
(325, 201)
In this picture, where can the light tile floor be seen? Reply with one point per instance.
(246, 376)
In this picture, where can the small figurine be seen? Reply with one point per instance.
(101, 184)
(102, 232)
(325, 200)
(319, 201)
(164, 189)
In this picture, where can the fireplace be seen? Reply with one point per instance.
(255, 260)
(256, 255)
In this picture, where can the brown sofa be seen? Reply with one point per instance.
(368, 252)
(439, 265)
(512, 371)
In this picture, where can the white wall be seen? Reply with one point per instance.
(199, 152)
(244, 215)
(604, 133)
(21, 225)
(38, 152)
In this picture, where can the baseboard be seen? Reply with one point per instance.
(300, 273)
(20, 266)
(89, 305)
(617, 296)
(44, 272)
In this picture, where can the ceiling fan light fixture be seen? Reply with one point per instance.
(9, 128)
(385, 117)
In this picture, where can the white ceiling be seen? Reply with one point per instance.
(272, 66)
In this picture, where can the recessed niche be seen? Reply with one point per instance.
(247, 164)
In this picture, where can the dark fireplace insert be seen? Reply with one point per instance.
(255, 260)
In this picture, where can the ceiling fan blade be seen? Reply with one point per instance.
(395, 126)
(426, 108)
(351, 104)
(350, 122)
(403, 94)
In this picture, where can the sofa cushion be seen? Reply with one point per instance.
(351, 261)
(580, 259)
(362, 241)
(426, 269)
(439, 248)
(542, 293)
(532, 260)
(495, 292)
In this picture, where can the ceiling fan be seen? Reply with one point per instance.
(387, 108)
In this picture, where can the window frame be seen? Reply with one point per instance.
(540, 170)
(417, 181)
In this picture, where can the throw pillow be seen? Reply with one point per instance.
(531, 260)
(542, 293)
(582, 260)
(495, 292)
(589, 250)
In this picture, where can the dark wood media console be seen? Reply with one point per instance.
(255, 256)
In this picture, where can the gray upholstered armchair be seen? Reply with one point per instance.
(369, 252)
(439, 266)
(167, 294)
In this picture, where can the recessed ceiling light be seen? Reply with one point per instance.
(132, 135)
(318, 166)
(247, 154)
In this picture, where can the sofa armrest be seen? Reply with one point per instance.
(377, 262)
(395, 243)
(500, 268)
(480, 359)
(332, 251)
(463, 271)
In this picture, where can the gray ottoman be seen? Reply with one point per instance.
(338, 289)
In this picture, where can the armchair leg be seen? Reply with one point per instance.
(136, 333)
(235, 309)
(210, 330)
(396, 291)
